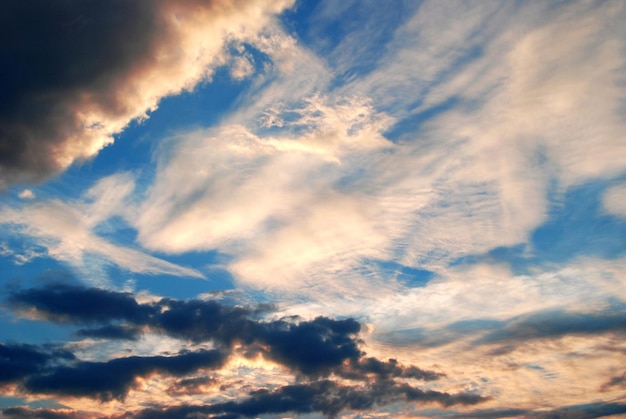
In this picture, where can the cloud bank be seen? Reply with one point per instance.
(324, 354)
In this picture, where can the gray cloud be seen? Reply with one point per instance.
(317, 351)
(77, 72)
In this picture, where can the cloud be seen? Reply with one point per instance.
(26, 194)
(312, 347)
(323, 396)
(23, 412)
(501, 123)
(614, 200)
(69, 231)
(292, 170)
(20, 360)
(556, 324)
(110, 332)
(114, 378)
(322, 349)
(79, 72)
(70, 304)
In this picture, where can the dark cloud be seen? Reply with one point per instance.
(324, 396)
(59, 56)
(18, 361)
(200, 321)
(583, 411)
(619, 380)
(311, 347)
(366, 368)
(320, 349)
(119, 332)
(310, 402)
(75, 72)
(113, 379)
(190, 386)
(75, 304)
(23, 412)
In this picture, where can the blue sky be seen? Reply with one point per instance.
(282, 209)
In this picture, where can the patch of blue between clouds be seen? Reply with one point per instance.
(10, 401)
(577, 226)
(409, 127)
(407, 275)
(325, 33)
(175, 286)
(32, 332)
(134, 147)
(414, 123)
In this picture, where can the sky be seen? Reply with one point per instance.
(312, 209)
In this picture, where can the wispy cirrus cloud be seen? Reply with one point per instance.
(68, 231)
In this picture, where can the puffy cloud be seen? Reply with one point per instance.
(78, 72)
(20, 360)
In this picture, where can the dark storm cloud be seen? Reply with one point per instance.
(113, 379)
(18, 361)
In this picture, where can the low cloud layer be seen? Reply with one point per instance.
(77, 72)
(326, 354)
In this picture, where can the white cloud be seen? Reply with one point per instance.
(271, 201)
(614, 200)
(67, 232)
(304, 192)
(26, 194)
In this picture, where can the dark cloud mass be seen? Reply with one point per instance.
(324, 396)
(72, 304)
(59, 57)
(19, 360)
(110, 332)
(112, 379)
(311, 347)
(75, 72)
(317, 351)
